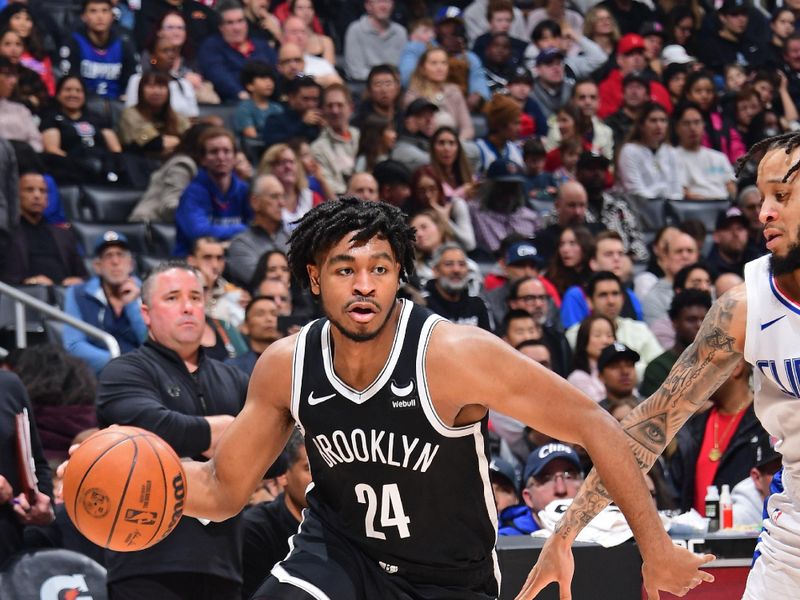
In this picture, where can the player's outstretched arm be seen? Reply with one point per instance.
(697, 374)
(219, 489)
(492, 374)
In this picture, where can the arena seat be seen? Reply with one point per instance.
(71, 203)
(542, 207)
(705, 211)
(146, 263)
(34, 321)
(110, 204)
(223, 111)
(253, 148)
(481, 125)
(162, 240)
(54, 331)
(88, 233)
(652, 213)
(53, 574)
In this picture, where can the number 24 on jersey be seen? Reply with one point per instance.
(392, 513)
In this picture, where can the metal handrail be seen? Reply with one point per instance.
(21, 300)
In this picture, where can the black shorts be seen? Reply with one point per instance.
(326, 566)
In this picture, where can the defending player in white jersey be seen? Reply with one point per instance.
(760, 320)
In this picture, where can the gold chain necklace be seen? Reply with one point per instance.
(715, 453)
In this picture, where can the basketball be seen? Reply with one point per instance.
(124, 488)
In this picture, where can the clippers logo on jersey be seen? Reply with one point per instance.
(786, 377)
(380, 447)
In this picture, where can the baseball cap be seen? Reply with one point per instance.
(504, 471)
(391, 172)
(726, 217)
(652, 28)
(447, 13)
(766, 453)
(523, 252)
(504, 169)
(548, 55)
(589, 159)
(630, 42)
(419, 105)
(637, 77)
(615, 352)
(544, 455)
(520, 75)
(110, 238)
(675, 53)
(734, 7)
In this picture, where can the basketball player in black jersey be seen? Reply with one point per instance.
(392, 401)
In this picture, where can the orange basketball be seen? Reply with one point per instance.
(124, 488)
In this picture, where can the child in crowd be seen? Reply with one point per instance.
(735, 78)
(258, 78)
(539, 184)
(569, 150)
(421, 30)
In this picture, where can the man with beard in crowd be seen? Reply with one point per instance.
(607, 208)
(447, 294)
(731, 250)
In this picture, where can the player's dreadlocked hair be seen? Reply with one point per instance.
(323, 226)
(788, 141)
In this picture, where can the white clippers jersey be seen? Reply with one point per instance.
(772, 346)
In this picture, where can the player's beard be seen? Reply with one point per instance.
(783, 265)
(355, 336)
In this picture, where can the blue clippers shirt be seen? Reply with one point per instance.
(100, 68)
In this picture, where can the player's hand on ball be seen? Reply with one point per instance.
(555, 564)
(675, 571)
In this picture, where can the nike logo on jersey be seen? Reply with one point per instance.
(402, 391)
(314, 401)
(768, 323)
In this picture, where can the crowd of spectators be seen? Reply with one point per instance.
(571, 169)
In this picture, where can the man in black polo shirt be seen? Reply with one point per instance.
(169, 387)
(40, 253)
(447, 294)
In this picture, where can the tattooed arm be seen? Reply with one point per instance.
(699, 371)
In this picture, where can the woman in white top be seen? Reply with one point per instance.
(648, 167)
(595, 333)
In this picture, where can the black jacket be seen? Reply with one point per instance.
(152, 389)
(735, 464)
(16, 266)
(13, 398)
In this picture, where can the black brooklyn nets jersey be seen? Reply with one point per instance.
(411, 492)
